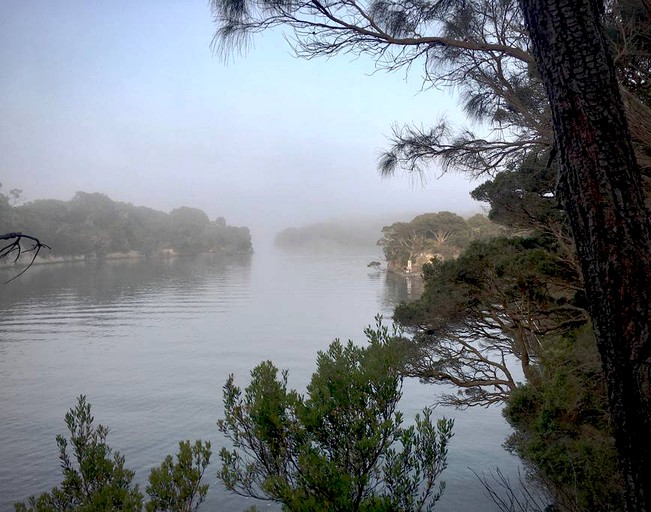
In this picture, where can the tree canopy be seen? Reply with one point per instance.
(478, 47)
(487, 313)
(441, 235)
(95, 225)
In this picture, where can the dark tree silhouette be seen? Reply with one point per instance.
(15, 248)
(600, 188)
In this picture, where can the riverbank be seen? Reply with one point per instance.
(128, 255)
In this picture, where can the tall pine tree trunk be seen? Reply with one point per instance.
(600, 189)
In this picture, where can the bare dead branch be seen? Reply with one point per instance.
(14, 247)
(525, 496)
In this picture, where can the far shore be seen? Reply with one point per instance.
(112, 256)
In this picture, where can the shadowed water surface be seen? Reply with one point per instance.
(151, 344)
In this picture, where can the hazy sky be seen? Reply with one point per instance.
(127, 98)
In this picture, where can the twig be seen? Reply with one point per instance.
(15, 247)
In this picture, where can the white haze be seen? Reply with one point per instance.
(127, 98)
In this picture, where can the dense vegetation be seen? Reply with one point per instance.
(506, 322)
(562, 429)
(93, 225)
(440, 236)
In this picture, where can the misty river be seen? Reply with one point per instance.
(151, 344)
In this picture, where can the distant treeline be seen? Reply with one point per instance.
(442, 234)
(93, 225)
(329, 235)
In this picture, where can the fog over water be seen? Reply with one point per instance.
(151, 343)
(129, 99)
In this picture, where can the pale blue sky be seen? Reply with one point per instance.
(127, 98)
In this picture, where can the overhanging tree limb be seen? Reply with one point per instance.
(477, 47)
(15, 248)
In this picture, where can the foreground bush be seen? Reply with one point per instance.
(340, 447)
(95, 478)
(562, 429)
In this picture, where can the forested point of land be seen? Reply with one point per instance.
(91, 225)
(438, 236)
(503, 318)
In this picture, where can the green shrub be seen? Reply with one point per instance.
(340, 447)
(562, 427)
(96, 480)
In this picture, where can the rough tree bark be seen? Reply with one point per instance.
(600, 188)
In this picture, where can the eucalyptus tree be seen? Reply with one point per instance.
(600, 188)
(443, 234)
(401, 242)
(543, 75)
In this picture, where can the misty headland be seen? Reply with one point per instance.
(92, 226)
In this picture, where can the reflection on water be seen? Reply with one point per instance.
(107, 280)
(151, 343)
(401, 288)
(104, 299)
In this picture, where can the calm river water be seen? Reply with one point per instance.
(151, 344)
